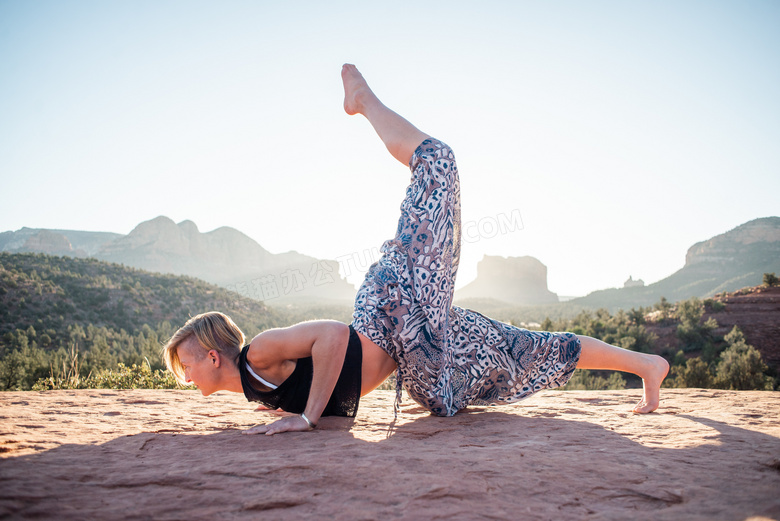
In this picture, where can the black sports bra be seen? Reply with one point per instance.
(292, 394)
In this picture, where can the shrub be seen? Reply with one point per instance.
(740, 366)
(692, 333)
(714, 306)
(665, 308)
(584, 380)
(123, 377)
(695, 373)
(770, 279)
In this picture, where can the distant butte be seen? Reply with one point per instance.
(514, 280)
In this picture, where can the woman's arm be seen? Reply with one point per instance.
(326, 342)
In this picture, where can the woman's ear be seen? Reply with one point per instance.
(215, 357)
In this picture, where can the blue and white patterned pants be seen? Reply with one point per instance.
(448, 357)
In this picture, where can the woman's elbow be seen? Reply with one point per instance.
(335, 337)
(331, 339)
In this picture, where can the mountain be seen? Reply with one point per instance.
(54, 293)
(726, 262)
(224, 256)
(228, 258)
(163, 246)
(515, 280)
(72, 243)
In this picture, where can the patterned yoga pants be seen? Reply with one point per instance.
(448, 357)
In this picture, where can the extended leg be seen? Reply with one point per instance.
(399, 136)
(651, 368)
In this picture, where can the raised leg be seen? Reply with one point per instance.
(651, 368)
(399, 136)
(406, 297)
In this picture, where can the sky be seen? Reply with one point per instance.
(603, 138)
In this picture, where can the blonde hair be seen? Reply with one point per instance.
(213, 330)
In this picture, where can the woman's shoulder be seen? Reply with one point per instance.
(293, 342)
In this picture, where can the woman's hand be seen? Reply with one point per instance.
(287, 424)
(277, 412)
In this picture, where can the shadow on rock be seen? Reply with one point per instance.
(483, 464)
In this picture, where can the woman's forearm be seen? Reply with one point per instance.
(327, 352)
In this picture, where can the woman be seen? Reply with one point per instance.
(447, 357)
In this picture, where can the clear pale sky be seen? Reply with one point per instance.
(619, 133)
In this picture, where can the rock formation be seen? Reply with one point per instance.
(631, 283)
(729, 247)
(48, 242)
(163, 246)
(515, 280)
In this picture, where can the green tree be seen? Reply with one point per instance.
(770, 279)
(637, 316)
(740, 366)
(22, 367)
(694, 334)
(664, 307)
(713, 305)
(695, 373)
(547, 325)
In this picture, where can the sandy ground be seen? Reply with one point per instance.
(165, 455)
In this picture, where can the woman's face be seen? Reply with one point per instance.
(200, 366)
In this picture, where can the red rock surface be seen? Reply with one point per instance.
(165, 455)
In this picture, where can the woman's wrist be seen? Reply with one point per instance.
(310, 423)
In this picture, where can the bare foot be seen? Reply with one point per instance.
(651, 384)
(399, 136)
(356, 90)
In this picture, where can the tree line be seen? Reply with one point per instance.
(68, 322)
(704, 359)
